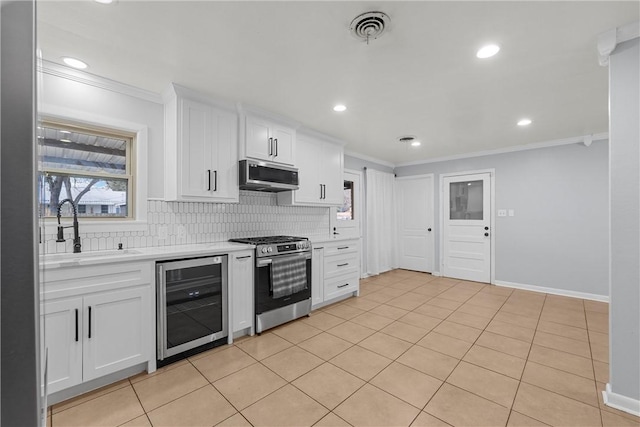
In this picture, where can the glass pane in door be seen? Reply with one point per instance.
(465, 200)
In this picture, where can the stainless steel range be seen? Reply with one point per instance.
(282, 279)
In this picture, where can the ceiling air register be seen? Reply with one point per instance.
(369, 25)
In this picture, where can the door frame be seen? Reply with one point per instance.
(433, 212)
(443, 212)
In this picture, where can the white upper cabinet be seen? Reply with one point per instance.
(320, 165)
(268, 140)
(201, 148)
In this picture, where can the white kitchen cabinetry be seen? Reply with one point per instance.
(241, 280)
(201, 149)
(97, 321)
(269, 140)
(317, 276)
(320, 165)
(339, 275)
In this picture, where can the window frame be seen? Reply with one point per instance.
(130, 162)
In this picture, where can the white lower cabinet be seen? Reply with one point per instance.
(90, 331)
(335, 270)
(241, 283)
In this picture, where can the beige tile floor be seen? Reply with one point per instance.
(413, 349)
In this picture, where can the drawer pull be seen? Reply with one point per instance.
(343, 286)
(343, 247)
(342, 265)
(243, 257)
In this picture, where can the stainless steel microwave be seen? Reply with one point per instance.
(262, 176)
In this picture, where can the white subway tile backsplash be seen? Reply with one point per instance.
(257, 214)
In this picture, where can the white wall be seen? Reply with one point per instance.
(624, 93)
(558, 237)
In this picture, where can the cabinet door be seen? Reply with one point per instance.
(309, 190)
(331, 174)
(257, 142)
(62, 318)
(196, 138)
(224, 159)
(317, 277)
(116, 331)
(284, 142)
(242, 288)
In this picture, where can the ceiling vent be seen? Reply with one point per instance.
(369, 25)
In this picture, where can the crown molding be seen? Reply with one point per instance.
(585, 139)
(608, 41)
(57, 70)
(369, 158)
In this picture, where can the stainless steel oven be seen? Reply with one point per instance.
(282, 284)
(191, 304)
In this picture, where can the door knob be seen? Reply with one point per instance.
(486, 234)
(486, 228)
(428, 229)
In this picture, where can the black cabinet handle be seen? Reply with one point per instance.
(486, 228)
(77, 325)
(343, 247)
(208, 179)
(486, 234)
(342, 286)
(270, 146)
(89, 322)
(320, 191)
(276, 152)
(342, 265)
(215, 180)
(243, 257)
(428, 229)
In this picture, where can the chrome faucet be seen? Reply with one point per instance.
(76, 232)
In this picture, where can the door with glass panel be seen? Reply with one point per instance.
(467, 227)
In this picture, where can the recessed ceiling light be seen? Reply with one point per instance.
(415, 143)
(75, 63)
(104, 1)
(340, 108)
(488, 51)
(524, 122)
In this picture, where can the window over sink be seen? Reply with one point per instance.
(92, 167)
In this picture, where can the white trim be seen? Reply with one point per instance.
(78, 76)
(433, 210)
(618, 401)
(245, 109)
(553, 291)
(492, 234)
(608, 40)
(534, 146)
(369, 158)
(139, 222)
(316, 134)
(436, 273)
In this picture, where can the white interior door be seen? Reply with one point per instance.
(415, 222)
(467, 227)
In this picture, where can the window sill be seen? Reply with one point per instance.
(88, 226)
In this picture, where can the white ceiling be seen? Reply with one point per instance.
(298, 59)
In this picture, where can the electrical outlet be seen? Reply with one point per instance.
(502, 212)
(162, 233)
(512, 212)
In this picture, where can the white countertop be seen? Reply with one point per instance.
(158, 253)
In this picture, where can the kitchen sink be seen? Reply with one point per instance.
(77, 257)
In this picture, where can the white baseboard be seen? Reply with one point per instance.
(623, 403)
(436, 273)
(554, 291)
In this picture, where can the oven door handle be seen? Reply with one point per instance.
(261, 262)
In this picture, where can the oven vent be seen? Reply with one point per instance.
(369, 25)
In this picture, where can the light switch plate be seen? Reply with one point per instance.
(511, 212)
(502, 212)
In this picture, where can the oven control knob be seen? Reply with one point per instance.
(264, 250)
(269, 249)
